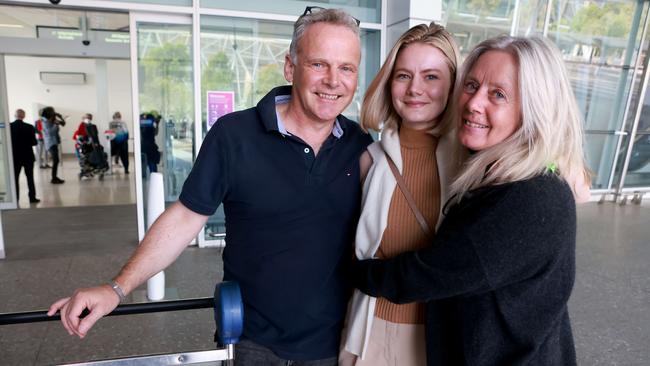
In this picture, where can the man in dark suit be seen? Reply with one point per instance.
(23, 137)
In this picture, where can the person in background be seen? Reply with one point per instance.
(51, 125)
(120, 143)
(41, 152)
(498, 275)
(81, 133)
(23, 139)
(407, 102)
(149, 124)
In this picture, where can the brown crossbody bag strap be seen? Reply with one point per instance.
(409, 197)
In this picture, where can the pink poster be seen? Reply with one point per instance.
(219, 103)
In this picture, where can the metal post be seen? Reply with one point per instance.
(621, 84)
(547, 18)
(639, 108)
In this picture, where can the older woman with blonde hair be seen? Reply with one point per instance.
(499, 272)
(407, 176)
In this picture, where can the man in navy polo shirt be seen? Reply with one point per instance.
(287, 172)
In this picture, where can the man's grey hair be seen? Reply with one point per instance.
(329, 16)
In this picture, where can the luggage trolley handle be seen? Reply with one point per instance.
(228, 312)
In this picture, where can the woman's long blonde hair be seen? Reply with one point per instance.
(550, 137)
(377, 110)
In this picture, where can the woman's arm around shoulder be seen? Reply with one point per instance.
(365, 162)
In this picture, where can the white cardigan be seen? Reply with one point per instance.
(378, 189)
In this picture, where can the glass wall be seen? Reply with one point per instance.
(638, 173)
(474, 21)
(638, 169)
(242, 59)
(600, 42)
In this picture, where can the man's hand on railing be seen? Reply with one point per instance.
(99, 301)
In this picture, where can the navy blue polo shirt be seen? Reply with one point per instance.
(290, 223)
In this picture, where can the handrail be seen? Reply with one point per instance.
(125, 309)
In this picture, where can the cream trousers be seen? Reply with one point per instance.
(391, 344)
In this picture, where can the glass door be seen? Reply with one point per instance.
(163, 98)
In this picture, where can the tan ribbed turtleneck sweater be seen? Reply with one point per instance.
(403, 233)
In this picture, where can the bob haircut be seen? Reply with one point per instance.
(377, 110)
(329, 16)
(550, 135)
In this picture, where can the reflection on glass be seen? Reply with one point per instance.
(600, 149)
(638, 171)
(242, 59)
(366, 11)
(166, 104)
(599, 42)
(474, 21)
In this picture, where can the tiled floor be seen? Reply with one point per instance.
(80, 247)
(51, 251)
(115, 189)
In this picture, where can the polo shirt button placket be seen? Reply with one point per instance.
(306, 150)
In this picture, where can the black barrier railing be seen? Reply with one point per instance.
(125, 309)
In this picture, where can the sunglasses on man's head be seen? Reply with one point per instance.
(316, 9)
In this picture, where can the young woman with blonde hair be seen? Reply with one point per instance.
(407, 103)
(498, 274)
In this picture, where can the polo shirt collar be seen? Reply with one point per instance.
(282, 95)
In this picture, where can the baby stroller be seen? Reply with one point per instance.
(92, 158)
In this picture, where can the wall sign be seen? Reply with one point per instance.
(219, 104)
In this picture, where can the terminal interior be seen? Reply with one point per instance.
(173, 58)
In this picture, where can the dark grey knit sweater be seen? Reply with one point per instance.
(496, 279)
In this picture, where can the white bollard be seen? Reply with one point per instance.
(156, 287)
(155, 207)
